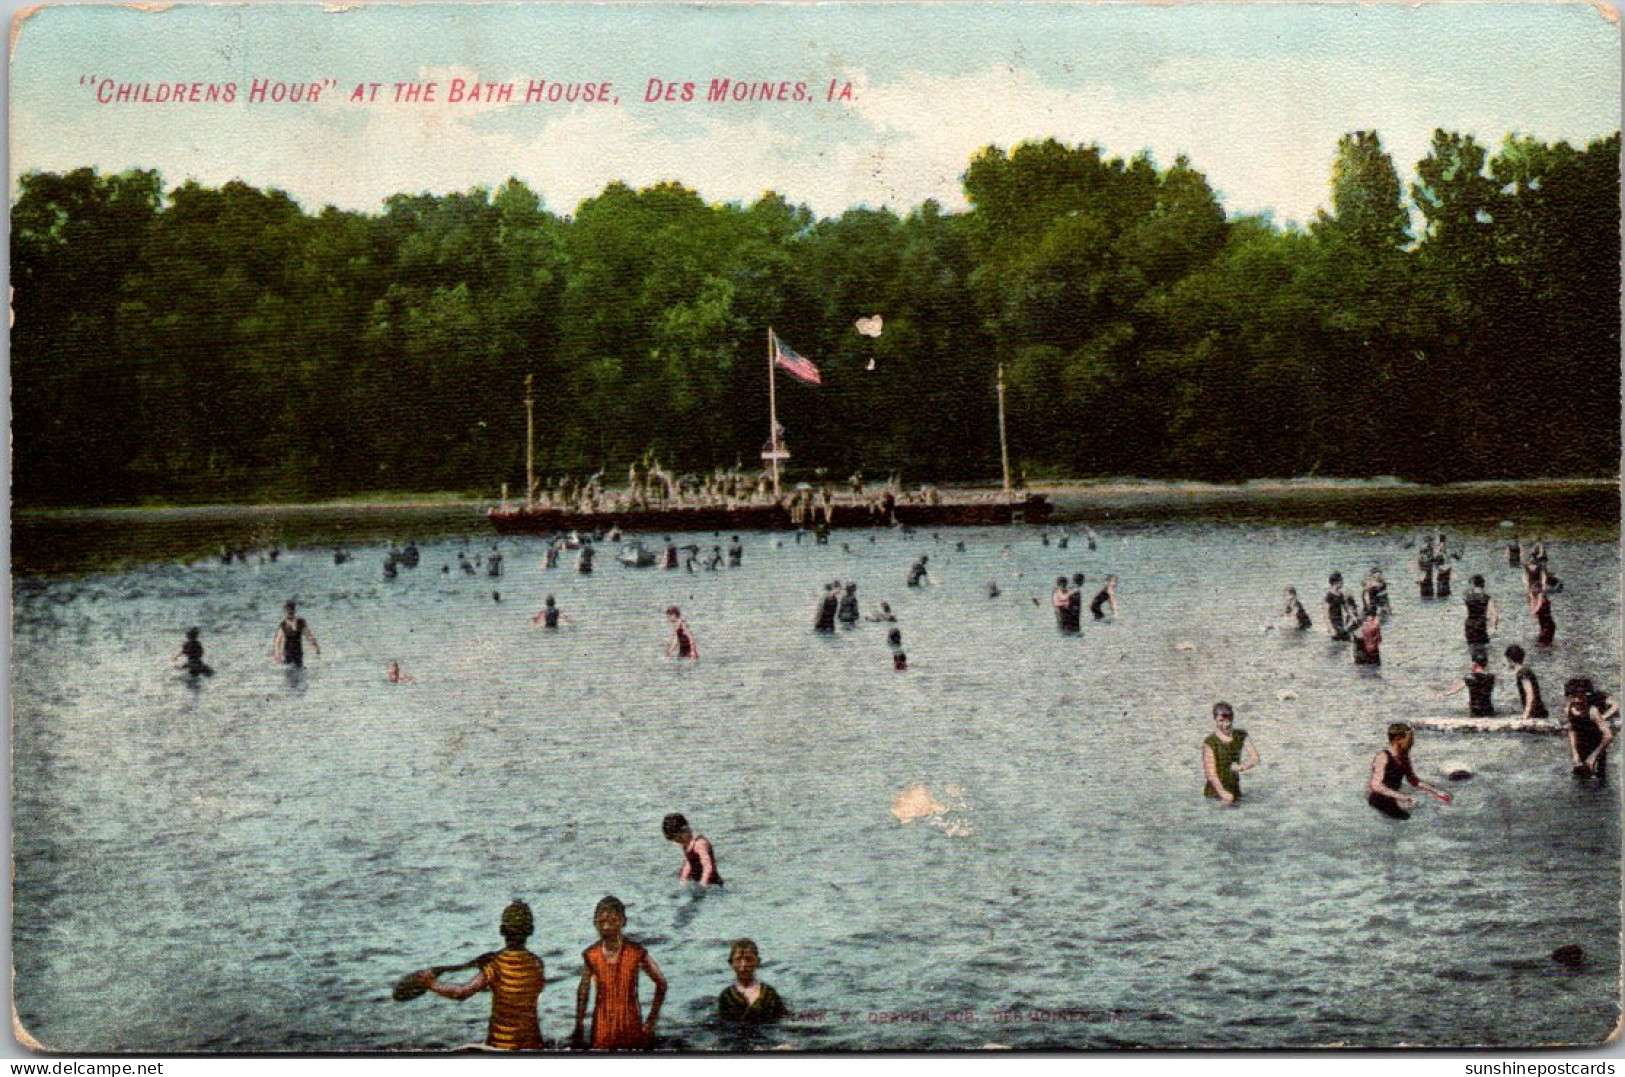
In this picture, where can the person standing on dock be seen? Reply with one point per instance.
(288, 646)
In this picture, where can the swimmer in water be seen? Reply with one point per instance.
(515, 978)
(1390, 770)
(1483, 617)
(613, 964)
(699, 861)
(584, 559)
(1533, 708)
(1368, 640)
(1226, 753)
(396, 676)
(736, 553)
(1540, 607)
(1480, 688)
(1374, 594)
(1441, 567)
(899, 661)
(288, 646)
(828, 606)
(748, 1001)
(549, 616)
(1337, 608)
(192, 653)
(884, 614)
(1423, 570)
(847, 611)
(917, 575)
(993, 589)
(1107, 596)
(1294, 611)
(1589, 714)
(1059, 599)
(682, 640)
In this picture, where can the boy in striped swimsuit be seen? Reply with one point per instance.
(514, 976)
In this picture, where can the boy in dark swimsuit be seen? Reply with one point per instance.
(1390, 770)
(288, 647)
(749, 1001)
(1590, 716)
(1530, 704)
(1480, 688)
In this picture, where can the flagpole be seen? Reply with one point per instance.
(530, 443)
(1004, 444)
(772, 415)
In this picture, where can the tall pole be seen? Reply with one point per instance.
(1004, 443)
(772, 415)
(530, 442)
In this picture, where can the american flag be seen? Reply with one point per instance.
(795, 364)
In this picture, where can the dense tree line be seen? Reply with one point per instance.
(201, 343)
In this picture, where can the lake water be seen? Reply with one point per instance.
(251, 864)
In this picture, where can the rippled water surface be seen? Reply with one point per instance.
(251, 864)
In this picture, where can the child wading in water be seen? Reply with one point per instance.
(513, 975)
(682, 640)
(699, 862)
(613, 963)
(749, 1001)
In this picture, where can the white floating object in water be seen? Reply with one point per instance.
(869, 327)
(1508, 524)
(871, 365)
(916, 802)
(1184, 646)
(1286, 695)
(1330, 525)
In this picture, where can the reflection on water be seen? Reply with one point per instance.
(251, 863)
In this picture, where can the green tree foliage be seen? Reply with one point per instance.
(224, 342)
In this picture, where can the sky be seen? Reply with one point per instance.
(1256, 95)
